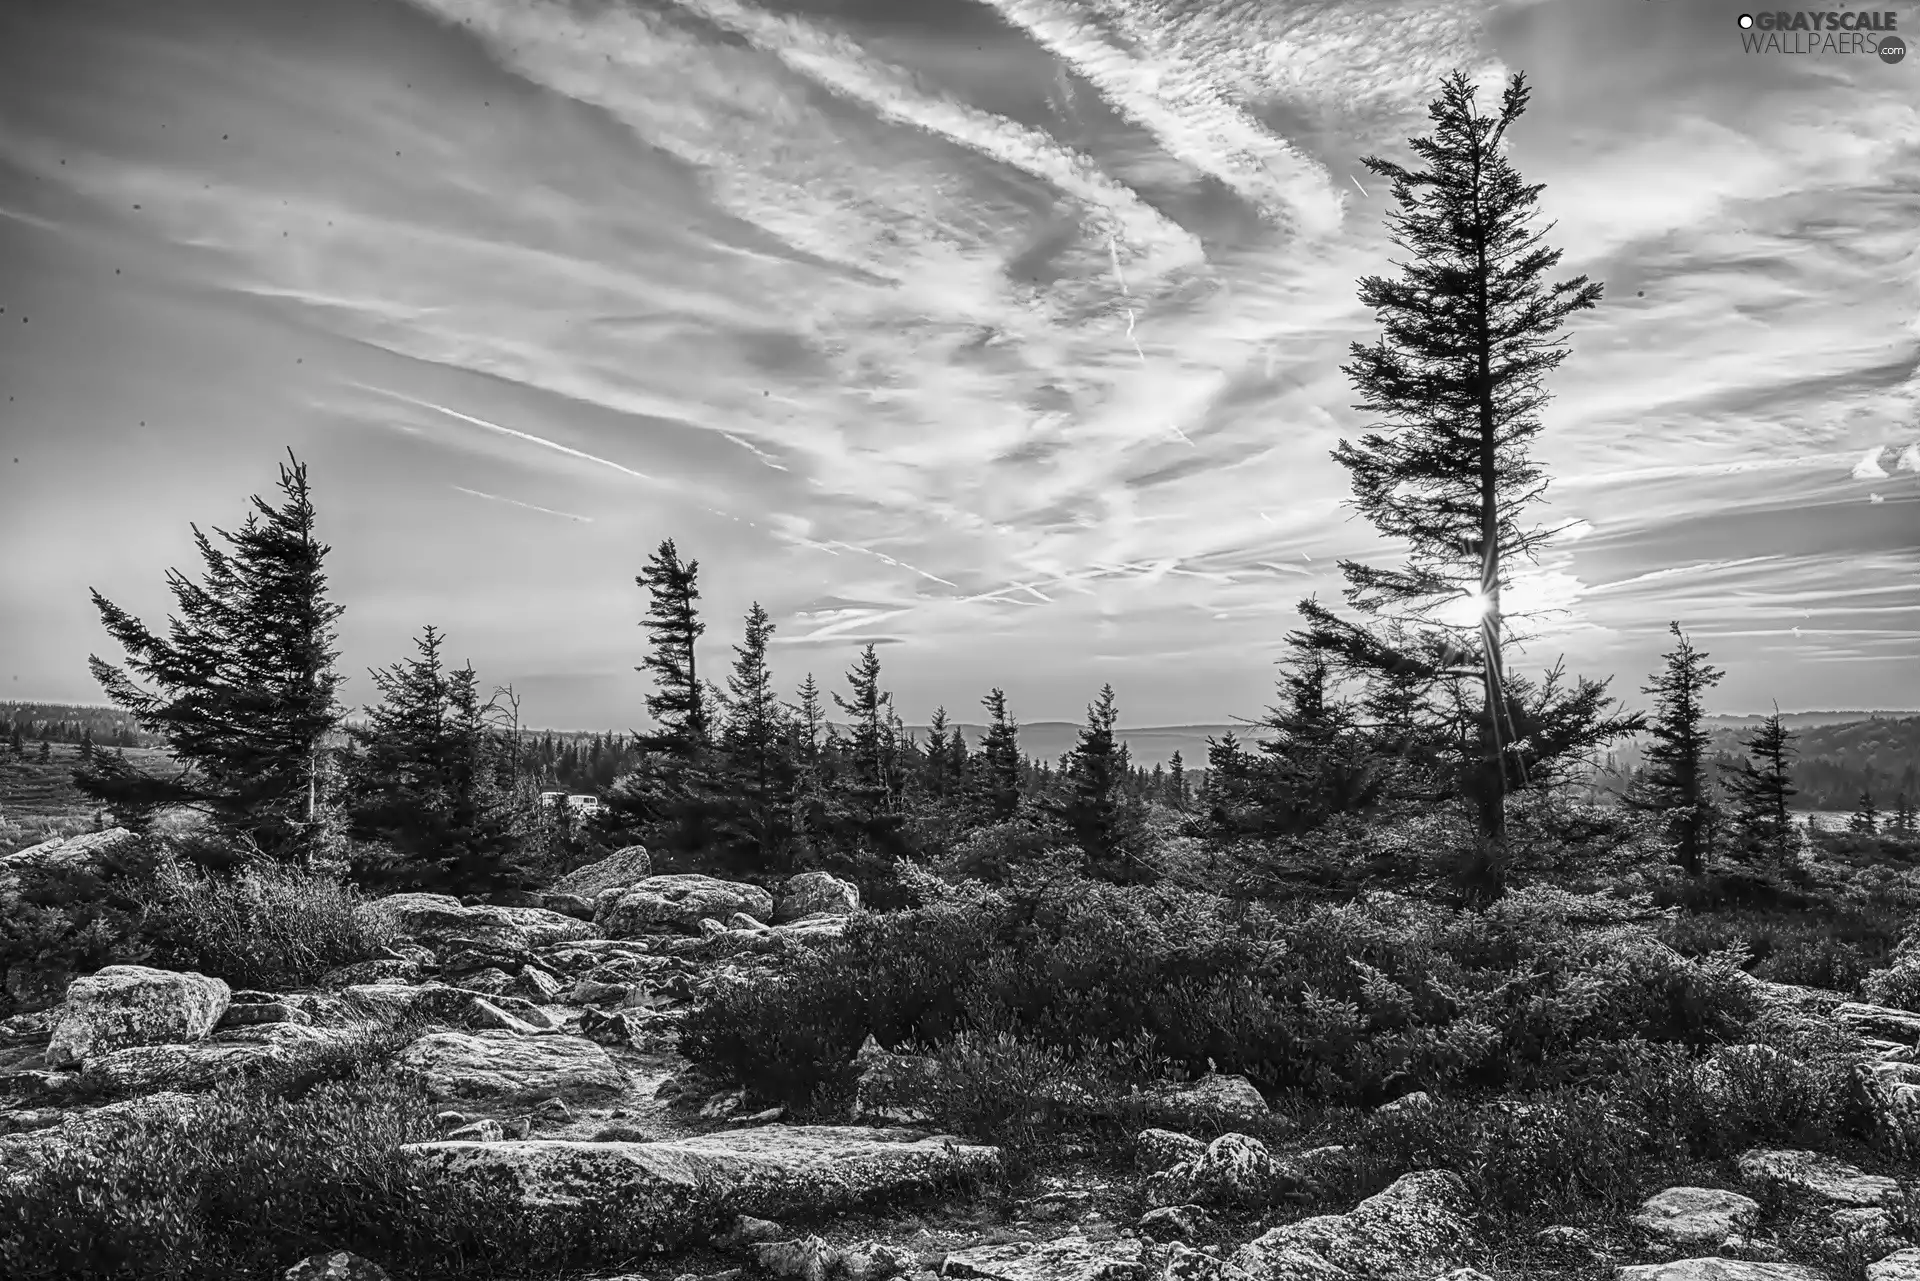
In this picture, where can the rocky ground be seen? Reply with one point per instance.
(545, 1028)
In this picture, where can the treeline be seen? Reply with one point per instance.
(22, 723)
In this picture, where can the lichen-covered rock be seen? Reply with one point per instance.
(500, 1067)
(811, 892)
(69, 852)
(1069, 1258)
(385, 971)
(1883, 1021)
(20, 1153)
(389, 1002)
(683, 1189)
(677, 902)
(1158, 1150)
(1818, 1175)
(1718, 1269)
(1686, 1218)
(255, 1012)
(806, 1259)
(617, 870)
(134, 1005)
(1417, 1227)
(337, 1266)
(886, 1083)
(441, 918)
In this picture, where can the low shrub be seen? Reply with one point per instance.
(264, 926)
(1348, 1003)
(65, 920)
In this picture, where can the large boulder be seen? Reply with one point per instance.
(1418, 1227)
(1892, 1094)
(1234, 1170)
(497, 1067)
(617, 870)
(22, 1153)
(1214, 1097)
(677, 902)
(1901, 1265)
(1883, 1022)
(812, 892)
(683, 1190)
(68, 853)
(134, 1005)
(1069, 1258)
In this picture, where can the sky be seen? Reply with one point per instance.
(1004, 335)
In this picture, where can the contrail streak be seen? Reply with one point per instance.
(1113, 252)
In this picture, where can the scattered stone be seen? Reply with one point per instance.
(1566, 1239)
(1075, 1257)
(338, 1266)
(1695, 1218)
(134, 1005)
(874, 1261)
(553, 1112)
(813, 892)
(498, 1067)
(746, 1230)
(807, 1259)
(617, 870)
(741, 921)
(1173, 1222)
(1158, 1150)
(1818, 1175)
(1213, 1097)
(767, 1117)
(683, 1188)
(724, 1103)
(368, 972)
(486, 1130)
(1417, 1227)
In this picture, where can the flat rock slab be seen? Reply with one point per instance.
(199, 1065)
(500, 1067)
(1695, 1218)
(1417, 1227)
(134, 1005)
(1068, 1258)
(1818, 1175)
(1716, 1269)
(1881, 1021)
(685, 1188)
(619, 869)
(436, 918)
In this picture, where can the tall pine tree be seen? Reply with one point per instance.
(244, 688)
(1675, 784)
(997, 763)
(869, 794)
(1471, 330)
(1865, 819)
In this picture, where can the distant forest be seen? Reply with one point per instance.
(1835, 762)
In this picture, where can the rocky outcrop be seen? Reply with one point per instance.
(684, 1189)
(1068, 1258)
(500, 1068)
(678, 902)
(21, 1153)
(336, 1266)
(203, 1064)
(125, 1005)
(810, 893)
(1883, 1022)
(1892, 1094)
(1217, 1098)
(1233, 1170)
(69, 853)
(1417, 1227)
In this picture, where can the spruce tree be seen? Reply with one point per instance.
(1761, 787)
(938, 759)
(425, 778)
(1903, 823)
(1675, 784)
(1177, 782)
(756, 768)
(997, 764)
(86, 745)
(1865, 819)
(244, 685)
(869, 795)
(16, 744)
(46, 752)
(1094, 806)
(669, 797)
(1471, 330)
(1224, 801)
(1316, 764)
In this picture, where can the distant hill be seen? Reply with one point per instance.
(1836, 755)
